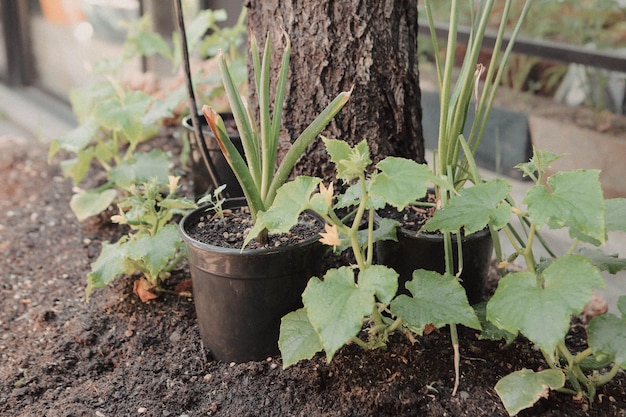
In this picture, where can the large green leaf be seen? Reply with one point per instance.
(298, 339)
(541, 309)
(89, 203)
(437, 299)
(616, 214)
(124, 114)
(490, 331)
(336, 307)
(571, 199)
(107, 267)
(76, 139)
(154, 253)
(380, 280)
(145, 167)
(473, 209)
(291, 200)
(522, 389)
(400, 181)
(607, 334)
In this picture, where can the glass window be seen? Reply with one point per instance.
(68, 36)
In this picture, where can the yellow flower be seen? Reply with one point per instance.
(331, 237)
(173, 183)
(327, 193)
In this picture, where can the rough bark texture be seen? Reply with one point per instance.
(368, 44)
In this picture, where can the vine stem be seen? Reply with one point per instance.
(454, 336)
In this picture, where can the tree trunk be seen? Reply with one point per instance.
(370, 45)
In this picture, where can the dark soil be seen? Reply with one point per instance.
(116, 356)
(229, 229)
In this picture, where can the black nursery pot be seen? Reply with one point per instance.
(426, 251)
(241, 296)
(200, 175)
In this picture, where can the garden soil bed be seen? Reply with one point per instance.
(116, 356)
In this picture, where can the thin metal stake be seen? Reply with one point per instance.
(195, 121)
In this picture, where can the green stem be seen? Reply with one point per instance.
(370, 238)
(454, 337)
(359, 342)
(602, 379)
(354, 241)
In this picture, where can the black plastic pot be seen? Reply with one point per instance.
(241, 296)
(201, 179)
(426, 251)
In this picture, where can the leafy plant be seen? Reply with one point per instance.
(214, 201)
(114, 120)
(359, 303)
(257, 171)
(539, 301)
(456, 99)
(153, 248)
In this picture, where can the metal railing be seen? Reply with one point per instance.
(605, 59)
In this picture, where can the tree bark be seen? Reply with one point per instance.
(370, 45)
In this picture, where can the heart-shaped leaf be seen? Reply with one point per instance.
(400, 181)
(90, 203)
(571, 199)
(298, 339)
(522, 389)
(541, 309)
(473, 209)
(336, 307)
(437, 299)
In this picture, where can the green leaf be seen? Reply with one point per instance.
(336, 307)
(145, 167)
(522, 389)
(78, 168)
(154, 253)
(124, 114)
(385, 230)
(607, 334)
(400, 181)
(350, 162)
(298, 339)
(437, 299)
(615, 214)
(381, 280)
(542, 310)
(473, 209)
(539, 163)
(575, 201)
(108, 266)
(76, 139)
(490, 331)
(89, 203)
(611, 263)
(85, 99)
(291, 200)
(150, 43)
(164, 108)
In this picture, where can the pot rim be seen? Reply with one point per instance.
(237, 202)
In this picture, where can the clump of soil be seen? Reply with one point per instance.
(117, 356)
